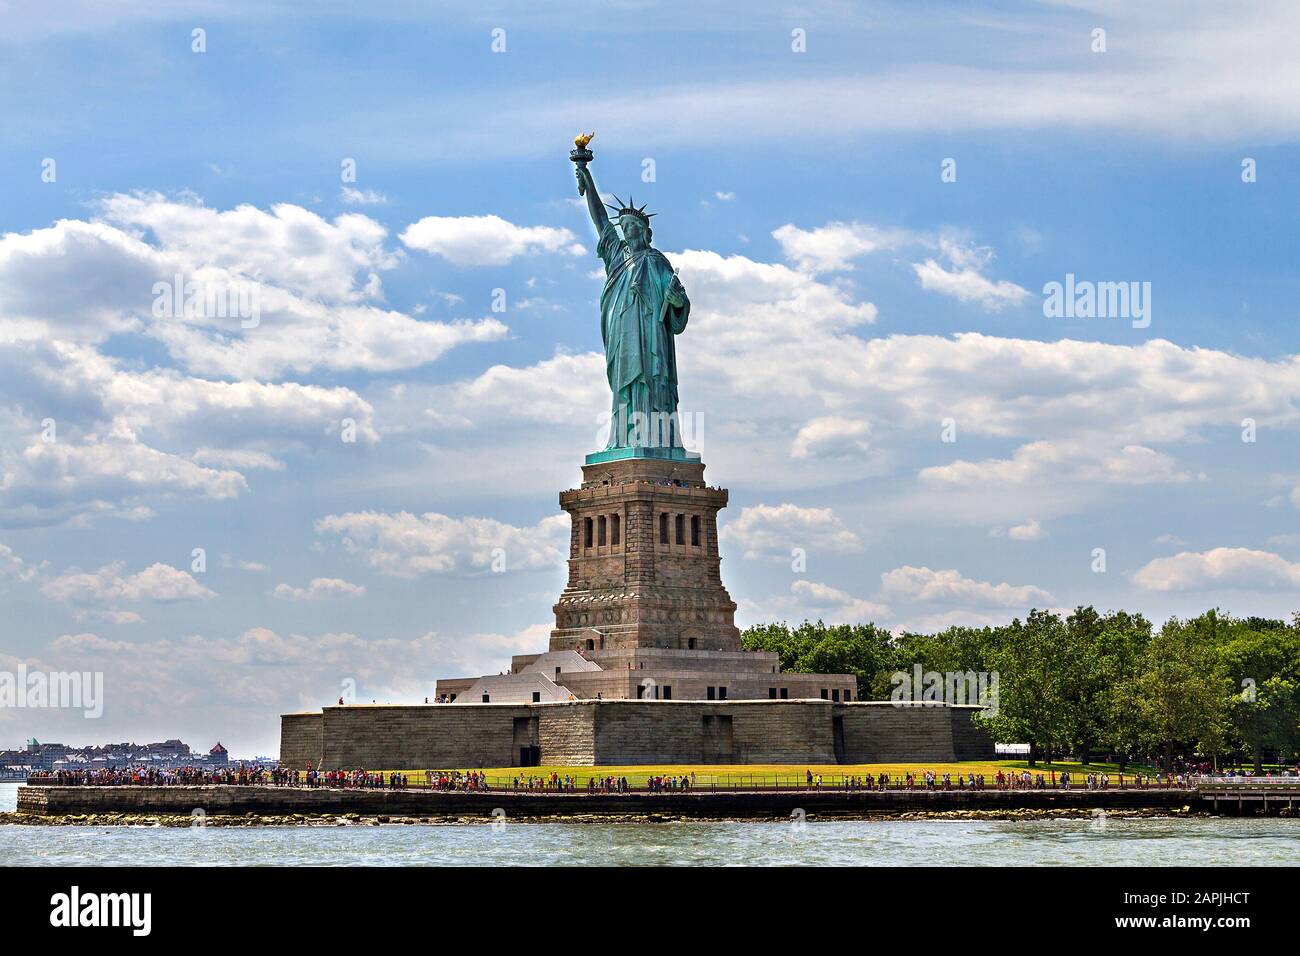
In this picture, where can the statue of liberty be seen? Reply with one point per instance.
(642, 307)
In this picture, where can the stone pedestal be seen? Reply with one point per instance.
(643, 561)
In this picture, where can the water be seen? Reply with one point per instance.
(1222, 841)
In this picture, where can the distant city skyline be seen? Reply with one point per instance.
(235, 515)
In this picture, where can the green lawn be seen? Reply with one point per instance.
(769, 775)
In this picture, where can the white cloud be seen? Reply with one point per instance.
(1043, 461)
(964, 280)
(60, 480)
(924, 585)
(14, 568)
(830, 436)
(1029, 531)
(108, 616)
(837, 606)
(407, 545)
(1218, 568)
(811, 600)
(834, 246)
(774, 530)
(967, 285)
(288, 290)
(243, 459)
(288, 246)
(362, 197)
(486, 240)
(158, 582)
(320, 588)
(564, 390)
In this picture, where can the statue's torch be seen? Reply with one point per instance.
(581, 155)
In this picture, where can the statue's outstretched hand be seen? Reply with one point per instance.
(582, 181)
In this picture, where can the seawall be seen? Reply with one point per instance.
(704, 804)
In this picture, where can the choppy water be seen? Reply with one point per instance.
(1221, 841)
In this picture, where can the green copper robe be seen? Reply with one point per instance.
(639, 315)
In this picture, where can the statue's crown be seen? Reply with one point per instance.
(630, 208)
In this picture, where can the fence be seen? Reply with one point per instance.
(733, 782)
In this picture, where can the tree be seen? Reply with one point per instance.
(1025, 657)
(1179, 693)
(1262, 660)
(952, 649)
(1265, 718)
(862, 650)
(1097, 652)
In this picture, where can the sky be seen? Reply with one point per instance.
(232, 513)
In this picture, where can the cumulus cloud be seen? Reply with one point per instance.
(408, 545)
(241, 458)
(830, 436)
(1043, 461)
(834, 246)
(963, 279)
(319, 588)
(1031, 530)
(118, 435)
(159, 583)
(774, 530)
(836, 606)
(243, 292)
(967, 285)
(14, 568)
(811, 600)
(922, 585)
(1218, 568)
(486, 240)
(51, 482)
(958, 268)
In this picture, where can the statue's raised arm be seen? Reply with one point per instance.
(587, 188)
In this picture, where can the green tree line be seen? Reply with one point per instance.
(1089, 684)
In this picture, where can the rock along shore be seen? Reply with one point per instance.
(252, 820)
(292, 806)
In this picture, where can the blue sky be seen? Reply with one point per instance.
(846, 301)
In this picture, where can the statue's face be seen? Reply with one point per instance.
(634, 231)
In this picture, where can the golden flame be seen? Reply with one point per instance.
(582, 139)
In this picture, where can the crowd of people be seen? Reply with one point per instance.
(257, 775)
(241, 775)
(350, 779)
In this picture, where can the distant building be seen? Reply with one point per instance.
(163, 755)
(42, 756)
